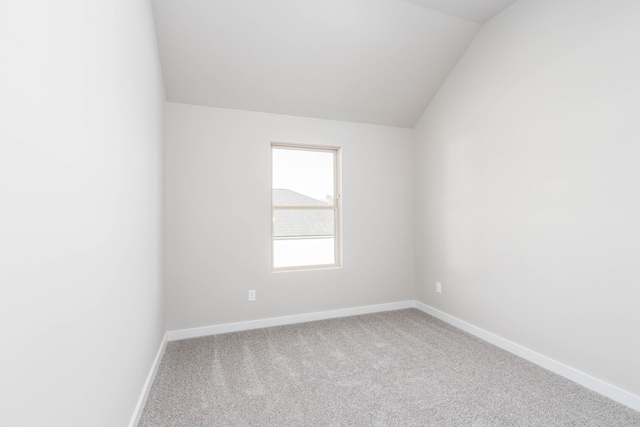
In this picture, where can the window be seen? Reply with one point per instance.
(305, 207)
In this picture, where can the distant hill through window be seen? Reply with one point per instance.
(301, 223)
(286, 197)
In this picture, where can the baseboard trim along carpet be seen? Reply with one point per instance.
(612, 392)
(146, 388)
(286, 320)
(579, 377)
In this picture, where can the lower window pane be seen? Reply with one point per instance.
(303, 237)
(295, 253)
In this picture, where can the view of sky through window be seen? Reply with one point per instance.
(305, 172)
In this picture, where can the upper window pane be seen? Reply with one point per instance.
(302, 177)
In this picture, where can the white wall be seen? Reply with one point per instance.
(217, 202)
(527, 184)
(81, 104)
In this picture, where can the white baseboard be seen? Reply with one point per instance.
(586, 380)
(285, 320)
(621, 396)
(142, 400)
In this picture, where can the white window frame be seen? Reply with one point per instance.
(337, 204)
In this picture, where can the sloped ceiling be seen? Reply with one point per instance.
(371, 61)
(479, 11)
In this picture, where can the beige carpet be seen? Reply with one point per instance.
(401, 368)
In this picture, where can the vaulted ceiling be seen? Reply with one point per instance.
(371, 61)
(479, 11)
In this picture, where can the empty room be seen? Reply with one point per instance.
(319, 213)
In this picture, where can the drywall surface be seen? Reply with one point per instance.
(527, 184)
(81, 109)
(370, 61)
(218, 220)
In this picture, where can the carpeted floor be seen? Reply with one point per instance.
(400, 368)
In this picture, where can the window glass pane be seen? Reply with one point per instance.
(302, 177)
(303, 237)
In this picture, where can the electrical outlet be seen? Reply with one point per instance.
(252, 295)
(439, 287)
